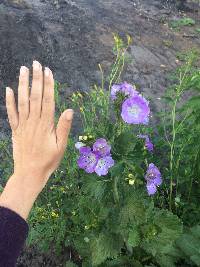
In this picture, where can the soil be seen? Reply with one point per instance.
(73, 36)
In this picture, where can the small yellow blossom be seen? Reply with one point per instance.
(85, 138)
(80, 95)
(131, 181)
(81, 109)
(130, 175)
(54, 215)
(80, 138)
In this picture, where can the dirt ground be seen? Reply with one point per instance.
(73, 36)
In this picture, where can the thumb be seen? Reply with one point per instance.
(63, 128)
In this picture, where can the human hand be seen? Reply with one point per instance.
(38, 146)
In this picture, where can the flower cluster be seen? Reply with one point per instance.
(96, 159)
(135, 108)
(153, 178)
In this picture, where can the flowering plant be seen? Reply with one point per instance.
(115, 201)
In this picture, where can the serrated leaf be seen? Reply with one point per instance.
(166, 261)
(189, 244)
(134, 237)
(105, 246)
(167, 229)
(117, 169)
(125, 143)
(94, 187)
(135, 212)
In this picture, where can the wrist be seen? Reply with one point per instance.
(19, 196)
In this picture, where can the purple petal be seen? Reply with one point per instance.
(88, 162)
(152, 173)
(128, 89)
(78, 145)
(143, 136)
(151, 188)
(135, 110)
(103, 165)
(125, 88)
(85, 150)
(114, 90)
(149, 145)
(101, 147)
(153, 178)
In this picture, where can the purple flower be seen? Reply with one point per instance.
(87, 160)
(126, 88)
(153, 178)
(103, 165)
(101, 147)
(114, 90)
(78, 145)
(148, 144)
(135, 110)
(97, 160)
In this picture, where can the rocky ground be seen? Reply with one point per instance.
(73, 36)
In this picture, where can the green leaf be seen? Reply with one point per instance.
(124, 143)
(94, 187)
(135, 212)
(105, 246)
(189, 244)
(165, 229)
(70, 264)
(134, 237)
(117, 170)
(166, 261)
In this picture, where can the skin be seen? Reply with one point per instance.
(38, 145)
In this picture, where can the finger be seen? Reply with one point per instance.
(36, 91)
(23, 94)
(11, 108)
(63, 128)
(48, 103)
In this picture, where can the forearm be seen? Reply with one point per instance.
(19, 197)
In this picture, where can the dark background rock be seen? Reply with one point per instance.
(72, 37)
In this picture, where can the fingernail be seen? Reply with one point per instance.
(22, 70)
(47, 72)
(8, 90)
(36, 65)
(69, 114)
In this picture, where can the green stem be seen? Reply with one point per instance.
(115, 190)
(172, 152)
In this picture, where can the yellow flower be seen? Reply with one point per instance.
(130, 175)
(85, 138)
(80, 138)
(90, 136)
(81, 109)
(54, 215)
(131, 181)
(80, 95)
